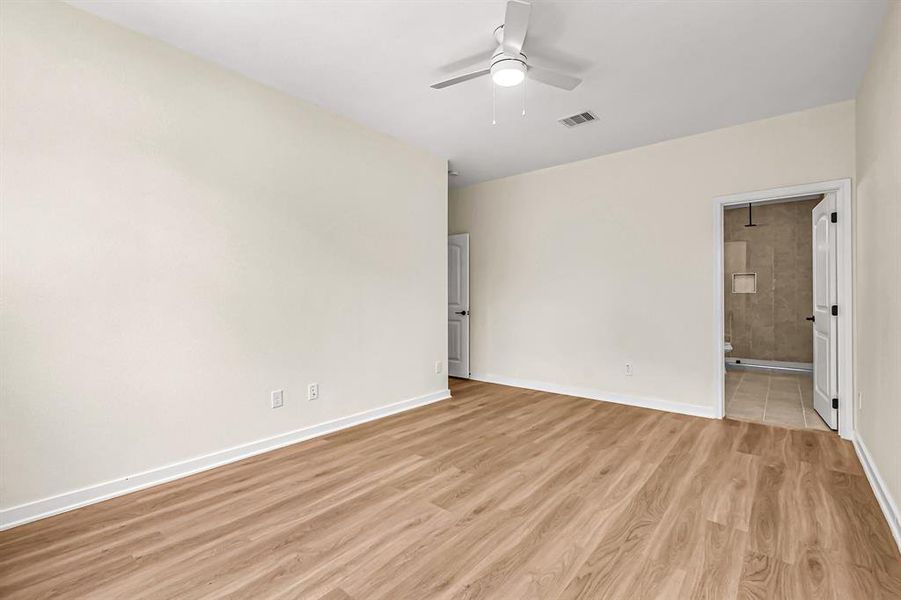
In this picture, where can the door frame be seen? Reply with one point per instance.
(845, 267)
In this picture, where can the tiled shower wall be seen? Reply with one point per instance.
(769, 324)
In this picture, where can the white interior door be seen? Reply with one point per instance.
(458, 305)
(825, 296)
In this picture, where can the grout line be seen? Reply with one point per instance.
(803, 408)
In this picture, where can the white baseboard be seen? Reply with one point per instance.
(593, 394)
(883, 495)
(46, 507)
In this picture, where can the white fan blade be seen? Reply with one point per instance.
(516, 25)
(553, 78)
(460, 79)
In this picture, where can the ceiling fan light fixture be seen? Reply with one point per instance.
(507, 64)
(508, 72)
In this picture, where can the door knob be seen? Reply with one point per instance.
(462, 312)
(810, 318)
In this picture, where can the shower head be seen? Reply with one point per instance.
(751, 222)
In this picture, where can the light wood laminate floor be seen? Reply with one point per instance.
(497, 493)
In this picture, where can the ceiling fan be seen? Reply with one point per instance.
(507, 65)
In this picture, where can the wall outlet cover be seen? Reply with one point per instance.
(313, 391)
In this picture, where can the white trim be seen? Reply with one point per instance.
(845, 232)
(883, 496)
(46, 507)
(776, 364)
(594, 394)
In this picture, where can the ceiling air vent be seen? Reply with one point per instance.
(579, 119)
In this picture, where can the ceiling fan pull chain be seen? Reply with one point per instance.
(524, 97)
(493, 105)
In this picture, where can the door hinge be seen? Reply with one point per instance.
(835, 403)
(835, 310)
(834, 217)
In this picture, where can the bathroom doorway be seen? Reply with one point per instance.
(780, 301)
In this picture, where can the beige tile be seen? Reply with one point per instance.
(746, 397)
(745, 409)
(814, 421)
(785, 375)
(790, 421)
(753, 387)
(780, 405)
(787, 416)
(784, 396)
(784, 384)
(782, 399)
(783, 404)
(755, 376)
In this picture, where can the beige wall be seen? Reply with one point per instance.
(578, 269)
(878, 292)
(769, 324)
(178, 241)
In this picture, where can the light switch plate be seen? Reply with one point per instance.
(278, 398)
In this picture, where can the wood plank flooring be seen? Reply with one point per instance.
(497, 493)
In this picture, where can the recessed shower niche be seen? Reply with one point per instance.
(744, 283)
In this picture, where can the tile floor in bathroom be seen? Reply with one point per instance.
(772, 397)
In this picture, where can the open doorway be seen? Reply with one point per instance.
(768, 294)
(783, 261)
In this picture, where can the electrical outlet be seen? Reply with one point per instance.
(859, 400)
(312, 391)
(629, 369)
(437, 366)
(278, 398)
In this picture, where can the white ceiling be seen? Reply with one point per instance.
(653, 70)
